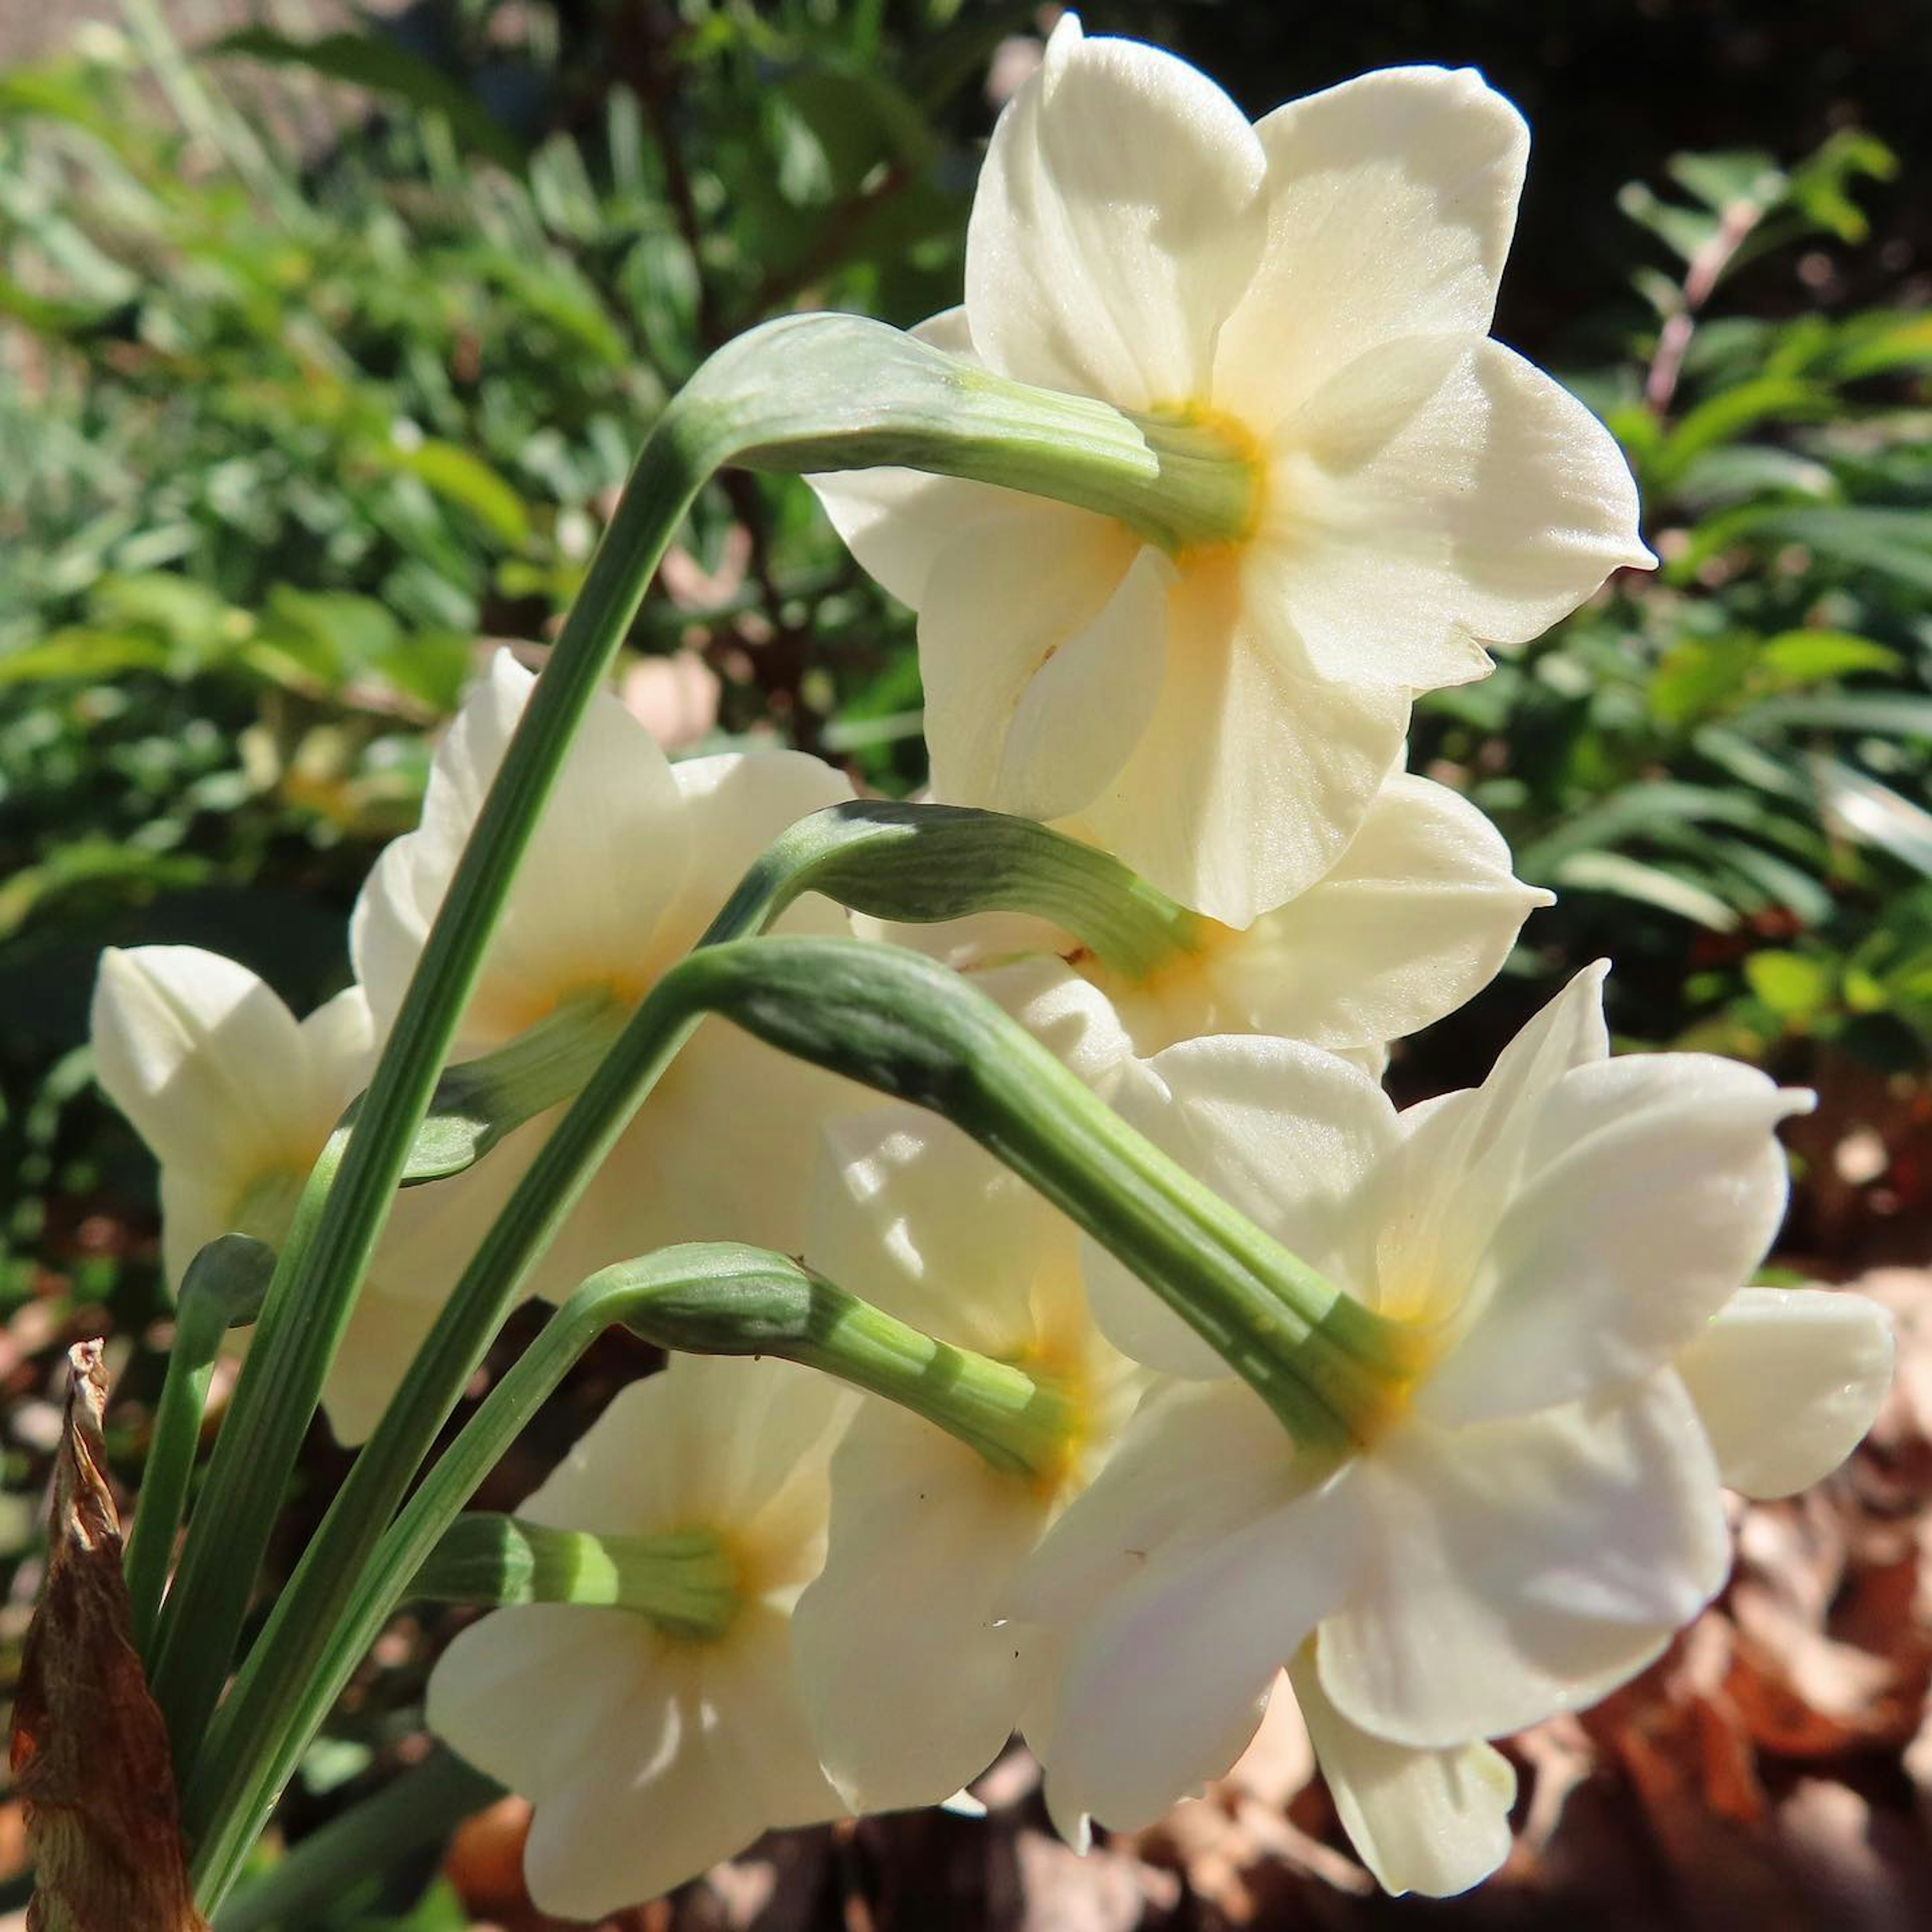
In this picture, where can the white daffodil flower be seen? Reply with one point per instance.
(649, 1753)
(1310, 299)
(630, 860)
(1521, 1516)
(235, 1098)
(1412, 921)
(913, 1682)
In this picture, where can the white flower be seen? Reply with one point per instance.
(1523, 1520)
(1415, 918)
(235, 1098)
(1315, 291)
(630, 860)
(649, 1754)
(912, 1682)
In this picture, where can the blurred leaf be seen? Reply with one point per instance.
(370, 60)
(1793, 984)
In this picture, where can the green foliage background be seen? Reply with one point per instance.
(321, 360)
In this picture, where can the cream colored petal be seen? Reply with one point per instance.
(384, 1334)
(1415, 920)
(527, 1693)
(1068, 1015)
(911, 1690)
(609, 854)
(758, 1734)
(206, 1061)
(1391, 199)
(1439, 1198)
(735, 804)
(738, 1445)
(896, 522)
(1162, 1691)
(1197, 1461)
(1286, 1134)
(910, 1214)
(1432, 1822)
(1040, 645)
(1523, 1568)
(1117, 221)
(724, 1149)
(671, 1785)
(1786, 1381)
(1437, 494)
(1652, 1187)
(1251, 776)
(340, 1039)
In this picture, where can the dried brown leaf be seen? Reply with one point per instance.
(90, 1753)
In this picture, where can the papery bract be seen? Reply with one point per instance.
(1313, 295)
(650, 1754)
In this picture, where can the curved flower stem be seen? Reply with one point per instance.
(805, 392)
(917, 864)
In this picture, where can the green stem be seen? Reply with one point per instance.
(823, 392)
(683, 1581)
(898, 1022)
(224, 1286)
(420, 1808)
(919, 864)
(347, 1198)
(719, 1297)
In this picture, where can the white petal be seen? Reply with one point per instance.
(1040, 644)
(1251, 776)
(910, 1690)
(1162, 1691)
(385, 1331)
(1438, 493)
(339, 1037)
(1433, 1822)
(1067, 1014)
(1391, 199)
(1786, 1381)
(1523, 1567)
(609, 854)
(723, 1150)
(1653, 1186)
(206, 1061)
(671, 1786)
(896, 522)
(1286, 1134)
(910, 1214)
(1417, 918)
(1117, 220)
(735, 804)
(1196, 1461)
(1462, 1156)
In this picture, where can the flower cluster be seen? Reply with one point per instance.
(1502, 1493)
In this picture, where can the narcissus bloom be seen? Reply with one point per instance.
(1307, 303)
(1415, 918)
(236, 1098)
(912, 1683)
(632, 857)
(650, 1752)
(1516, 1518)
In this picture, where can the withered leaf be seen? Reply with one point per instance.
(90, 1752)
